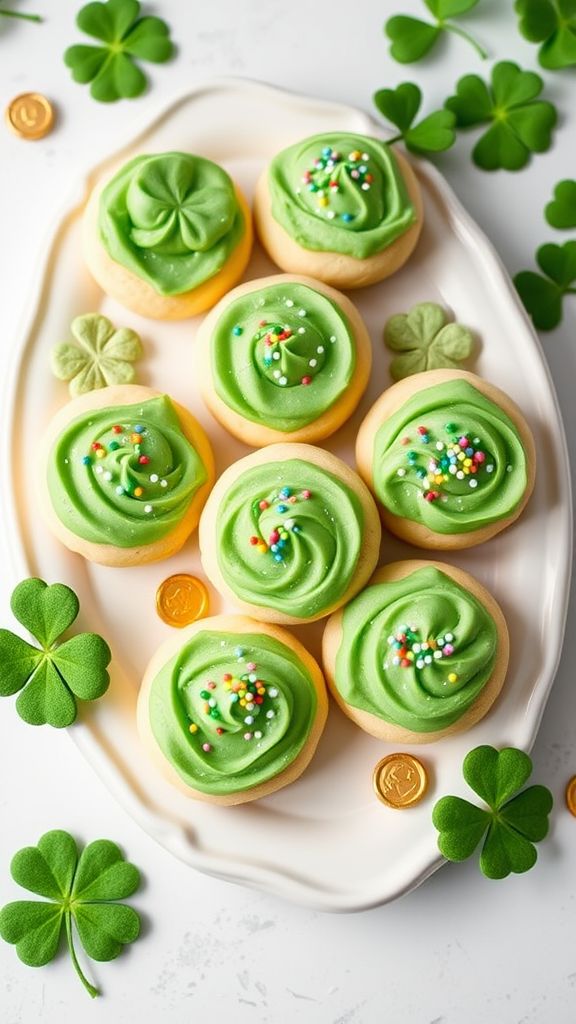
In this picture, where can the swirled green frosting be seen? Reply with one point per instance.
(231, 711)
(124, 475)
(282, 355)
(450, 459)
(340, 193)
(416, 652)
(288, 537)
(172, 218)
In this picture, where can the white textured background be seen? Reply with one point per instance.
(460, 950)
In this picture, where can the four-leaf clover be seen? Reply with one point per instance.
(82, 891)
(413, 38)
(561, 211)
(520, 124)
(552, 23)
(542, 296)
(510, 823)
(124, 35)
(400, 106)
(425, 340)
(52, 675)
(100, 356)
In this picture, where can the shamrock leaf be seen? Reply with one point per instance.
(51, 676)
(412, 38)
(561, 211)
(82, 891)
(519, 123)
(543, 296)
(425, 340)
(110, 67)
(552, 23)
(511, 824)
(400, 106)
(99, 356)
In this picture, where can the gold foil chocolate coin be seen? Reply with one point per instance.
(181, 599)
(571, 796)
(400, 780)
(30, 115)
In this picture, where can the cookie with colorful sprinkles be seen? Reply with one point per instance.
(167, 234)
(232, 709)
(340, 207)
(420, 653)
(449, 457)
(125, 472)
(283, 358)
(289, 533)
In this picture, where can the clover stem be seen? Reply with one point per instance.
(396, 138)
(18, 14)
(91, 990)
(465, 35)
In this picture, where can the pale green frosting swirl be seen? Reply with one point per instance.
(124, 475)
(251, 704)
(282, 355)
(450, 459)
(172, 218)
(423, 689)
(340, 192)
(288, 537)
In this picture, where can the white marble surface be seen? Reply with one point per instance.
(459, 949)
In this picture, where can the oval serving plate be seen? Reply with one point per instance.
(325, 841)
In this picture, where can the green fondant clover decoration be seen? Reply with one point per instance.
(411, 38)
(553, 24)
(425, 339)
(432, 134)
(560, 212)
(48, 678)
(520, 123)
(124, 36)
(82, 890)
(100, 355)
(543, 294)
(511, 822)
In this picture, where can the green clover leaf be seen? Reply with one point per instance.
(125, 35)
(511, 824)
(552, 23)
(100, 356)
(543, 296)
(425, 340)
(412, 38)
(48, 678)
(83, 892)
(519, 123)
(561, 211)
(400, 106)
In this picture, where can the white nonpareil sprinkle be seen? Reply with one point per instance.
(154, 478)
(148, 508)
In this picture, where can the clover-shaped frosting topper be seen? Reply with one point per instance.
(99, 356)
(425, 340)
(560, 212)
(543, 296)
(50, 676)
(520, 123)
(412, 38)
(553, 24)
(509, 825)
(82, 890)
(124, 36)
(432, 134)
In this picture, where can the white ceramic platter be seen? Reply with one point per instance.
(324, 841)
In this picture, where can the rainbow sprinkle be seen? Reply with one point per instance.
(460, 458)
(278, 542)
(322, 178)
(410, 651)
(248, 692)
